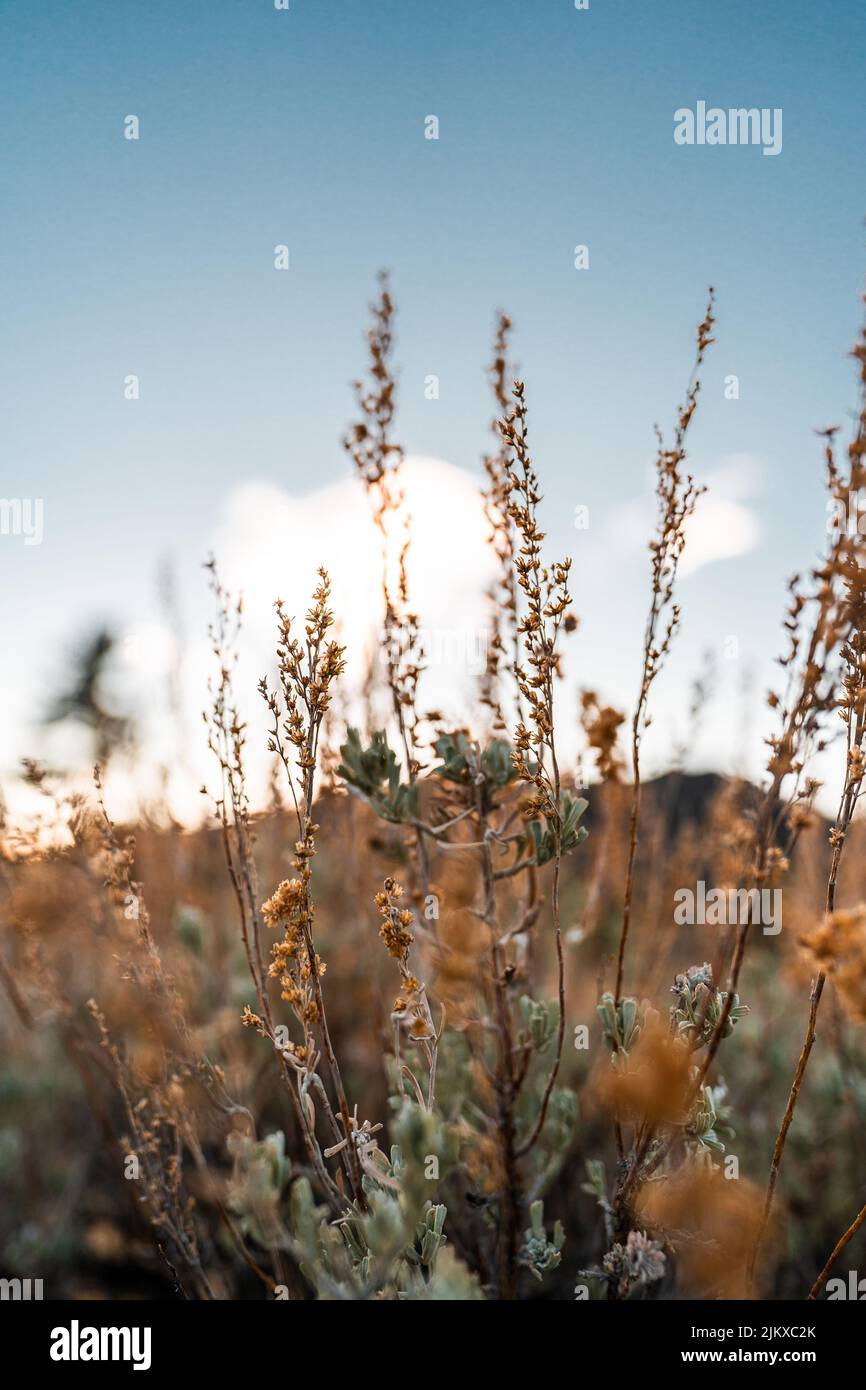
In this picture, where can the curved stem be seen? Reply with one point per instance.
(837, 1251)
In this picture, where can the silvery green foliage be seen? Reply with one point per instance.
(553, 1144)
(699, 1005)
(707, 1122)
(374, 774)
(454, 1091)
(596, 1184)
(540, 843)
(540, 1019)
(405, 1262)
(635, 1265)
(421, 1134)
(396, 1248)
(537, 1252)
(460, 756)
(260, 1173)
(451, 1281)
(622, 1024)
(429, 1237)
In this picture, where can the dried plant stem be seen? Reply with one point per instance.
(854, 713)
(548, 604)
(504, 651)
(779, 1148)
(677, 496)
(304, 808)
(378, 459)
(505, 1081)
(837, 1251)
(353, 1164)
(560, 1033)
(632, 854)
(812, 687)
(226, 738)
(336, 1078)
(830, 628)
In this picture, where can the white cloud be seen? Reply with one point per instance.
(722, 527)
(269, 545)
(272, 542)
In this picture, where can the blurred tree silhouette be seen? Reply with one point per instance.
(83, 703)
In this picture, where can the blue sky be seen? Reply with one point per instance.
(306, 127)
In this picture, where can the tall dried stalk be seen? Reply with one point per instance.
(226, 734)
(852, 709)
(547, 609)
(676, 495)
(308, 666)
(819, 623)
(377, 460)
(503, 653)
(809, 662)
(227, 741)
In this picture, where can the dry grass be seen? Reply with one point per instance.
(324, 1047)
